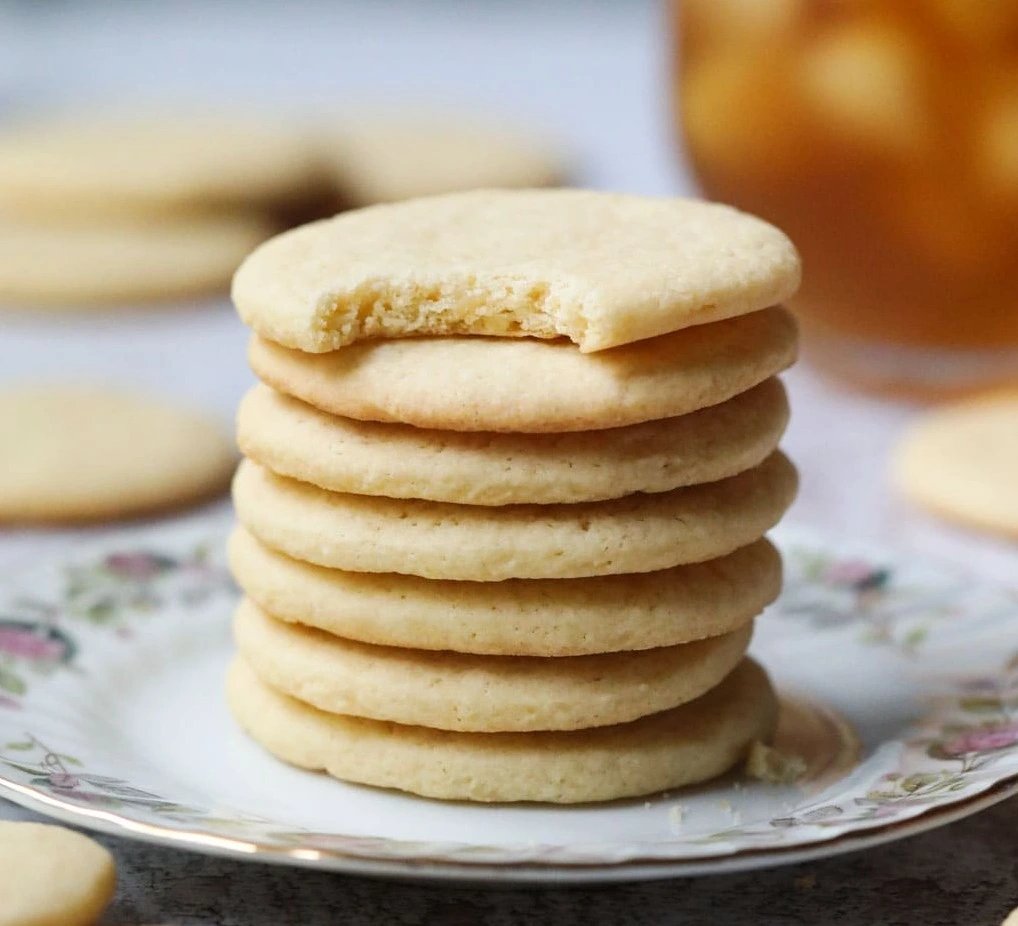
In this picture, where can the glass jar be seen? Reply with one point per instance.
(883, 138)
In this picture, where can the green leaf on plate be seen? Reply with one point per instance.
(10, 682)
(981, 705)
(916, 636)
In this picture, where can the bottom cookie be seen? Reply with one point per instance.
(683, 746)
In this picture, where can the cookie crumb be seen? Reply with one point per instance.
(676, 815)
(768, 764)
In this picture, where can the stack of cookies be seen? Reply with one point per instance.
(509, 471)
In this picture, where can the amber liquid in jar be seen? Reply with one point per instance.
(883, 137)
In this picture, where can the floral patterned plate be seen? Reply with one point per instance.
(900, 696)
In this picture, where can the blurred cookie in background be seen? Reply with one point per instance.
(160, 164)
(960, 461)
(133, 164)
(74, 454)
(104, 209)
(52, 876)
(110, 261)
(376, 159)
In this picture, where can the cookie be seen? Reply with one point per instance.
(488, 694)
(494, 384)
(389, 158)
(688, 744)
(74, 453)
(518, 617)
(121, 260)
(601, 269)
(438, 540)
(52, 876)
(397, 461)
(960, 461)
(133, 164)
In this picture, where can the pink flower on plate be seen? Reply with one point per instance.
(136, 565)
(29, 642)
(982, 739)
(64, 781)
(857, 575)
(83, 797)
(988, 685)
(9, 703)
(848, 572)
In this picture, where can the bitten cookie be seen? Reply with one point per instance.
(601, 269)
(437, 540)
(688, 744)
(52, 876)
(86, 453)
(496, 384)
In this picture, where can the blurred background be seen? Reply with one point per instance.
(590, 76)
(882, 136)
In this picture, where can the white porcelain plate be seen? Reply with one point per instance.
(899, 685)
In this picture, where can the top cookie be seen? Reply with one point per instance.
(130, 165)
(601, 269)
